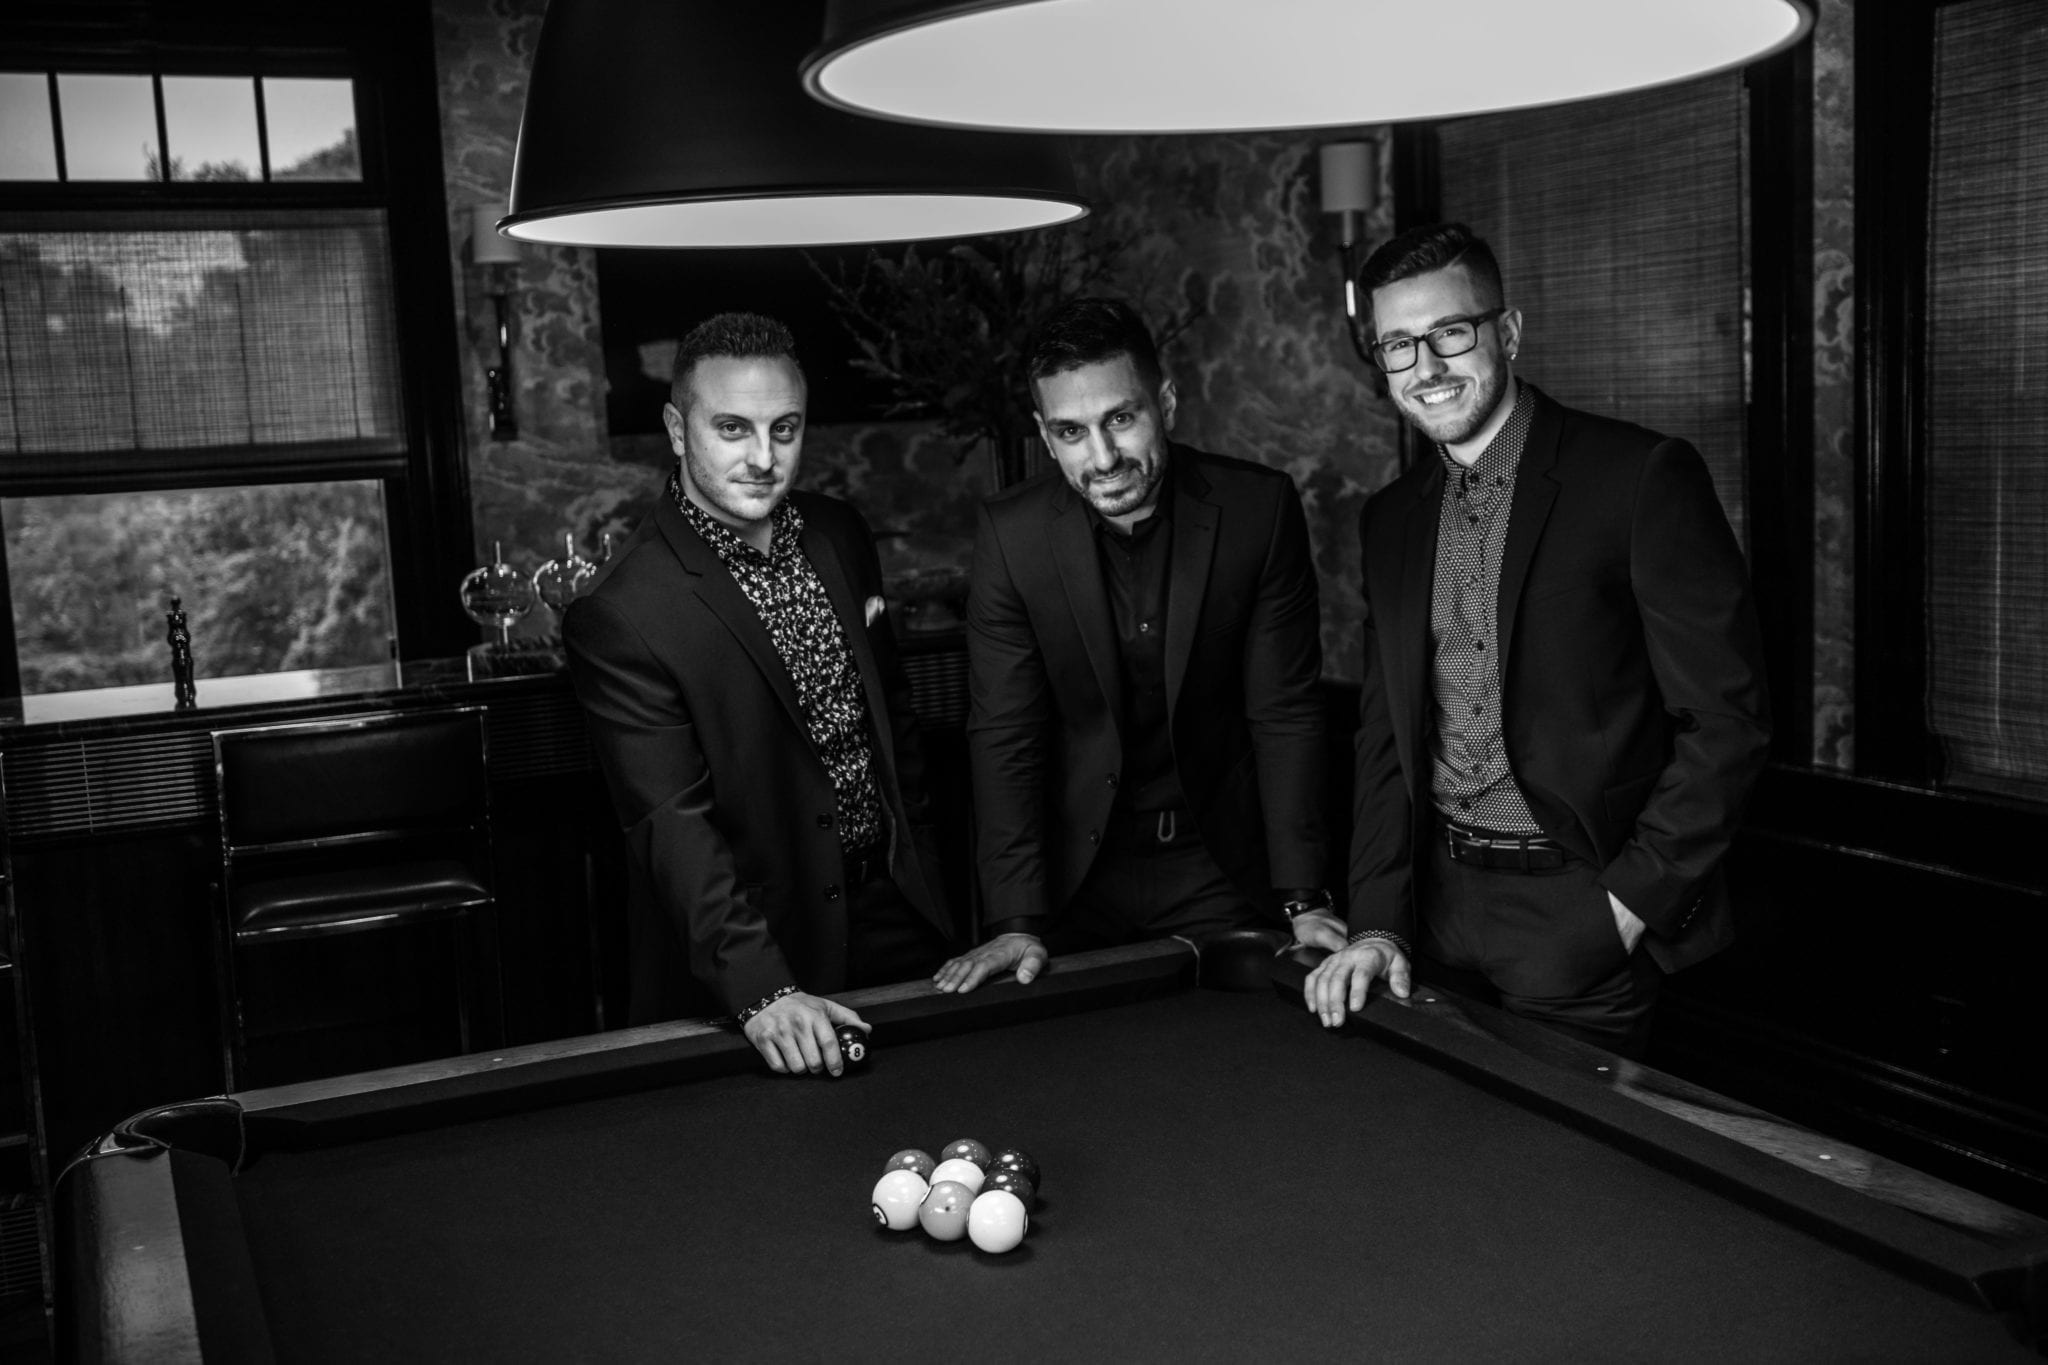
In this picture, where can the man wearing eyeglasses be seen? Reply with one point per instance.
(1563, 706)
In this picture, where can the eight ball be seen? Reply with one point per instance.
(1002, 1178)
(853, 1045)
(1011, 1159)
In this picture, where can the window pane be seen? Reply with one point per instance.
(268, 330)
(276, 577)
(210, 124)
(1619, 228)
(28, 142)
(1987, 434)
(312, 129)
(109, 127)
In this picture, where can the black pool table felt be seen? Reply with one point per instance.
(1222, 1181)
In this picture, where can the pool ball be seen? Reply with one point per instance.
(967, 1149)
(1010, 1159)
(964, 1172)
(912, 1159)
(1002, 1179)
(853, 1045)
(897, 1196)
(996, 1221)
(944, 1211)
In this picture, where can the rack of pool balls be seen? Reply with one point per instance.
(967, 1192)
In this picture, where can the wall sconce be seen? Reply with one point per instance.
(498, 256)
(1350, 186)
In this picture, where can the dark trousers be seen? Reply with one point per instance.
(1543, 944)
(887, 939)
(1142, 887)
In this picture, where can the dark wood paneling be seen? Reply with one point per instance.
(1778, 469)
(1894, 95)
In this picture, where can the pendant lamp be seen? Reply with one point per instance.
(684, 123)
(1155, 66)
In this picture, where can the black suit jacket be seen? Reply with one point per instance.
(1243, 654)
(1632, 687)
(727, 809)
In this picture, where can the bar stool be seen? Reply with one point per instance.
(377, 823)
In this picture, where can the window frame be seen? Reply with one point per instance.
(386, 47)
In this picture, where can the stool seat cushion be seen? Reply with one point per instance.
(309, 900)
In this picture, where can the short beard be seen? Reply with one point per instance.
(1486, 398)
(1132, 500)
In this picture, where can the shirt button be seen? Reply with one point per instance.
(1464, 805)
(1479, 644)
(1144, 626)
(1094, 836)
(832, 891)
(1474, 518)
(1112, 779)
(824, 822)
(1475, 710)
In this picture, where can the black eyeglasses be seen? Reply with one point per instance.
(1455, 337)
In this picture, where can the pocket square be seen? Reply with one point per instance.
(875, 607)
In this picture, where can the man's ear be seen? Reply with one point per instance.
(672, 421)
(1169, 402)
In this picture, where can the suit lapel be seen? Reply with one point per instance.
(1187, 583)
(833, 571)
(1071, 539)
(722, 597)
(1535, 491)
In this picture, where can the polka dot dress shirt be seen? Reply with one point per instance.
(1471, 784)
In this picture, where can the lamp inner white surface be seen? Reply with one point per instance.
(1166, 65)
(791, 220)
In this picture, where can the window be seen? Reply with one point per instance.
(203, 393)
(1986, 504)
(1619, 228)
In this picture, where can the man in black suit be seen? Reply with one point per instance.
(1143, 650)
(1563, 706)
(753, 721)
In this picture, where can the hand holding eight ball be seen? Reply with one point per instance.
(853, 1046)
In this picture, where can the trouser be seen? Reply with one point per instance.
(1543, 944)
(1153, 878)
(887, 939)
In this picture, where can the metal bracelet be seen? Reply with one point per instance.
(763, 1003)
(1368, 935)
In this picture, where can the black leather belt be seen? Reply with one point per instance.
(864, 865)
(1503, 852)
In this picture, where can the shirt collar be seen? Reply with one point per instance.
(1504, 451)
(1161, 514)
(786, 521)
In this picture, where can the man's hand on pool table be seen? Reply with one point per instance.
(1023, 951)
(795, 1034)
(1339, 982)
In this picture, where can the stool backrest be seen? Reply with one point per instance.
(385, 776)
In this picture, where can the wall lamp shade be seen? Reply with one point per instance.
(684, 123)
(1220, 65)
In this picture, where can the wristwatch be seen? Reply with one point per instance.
(1295, 906)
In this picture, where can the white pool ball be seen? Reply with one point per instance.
(996, 1221)
(964, 1171)
(897, 1196)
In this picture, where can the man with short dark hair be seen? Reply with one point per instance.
(753, 721)
(1143, 645)
(1563, 706)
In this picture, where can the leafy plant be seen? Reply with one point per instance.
(944, 329)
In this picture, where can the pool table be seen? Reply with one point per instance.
(1223, 1179)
